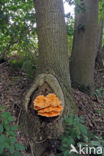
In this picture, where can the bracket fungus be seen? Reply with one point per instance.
(48, 106)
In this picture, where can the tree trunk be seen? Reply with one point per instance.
(84, 46)
(100, 58)
(52, 77)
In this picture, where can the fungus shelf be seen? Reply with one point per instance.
(48, 106)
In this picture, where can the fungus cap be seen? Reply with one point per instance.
(53, 100)
(40, 102)
(48, 106)
(50, 109)
(49, 114)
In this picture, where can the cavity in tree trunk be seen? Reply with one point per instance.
(84, 46)
(52, 76)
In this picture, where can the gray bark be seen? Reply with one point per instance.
(84, 47)
(100, 51)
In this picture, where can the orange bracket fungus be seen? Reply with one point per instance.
(48, 106)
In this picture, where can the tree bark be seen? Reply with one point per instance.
(52, 76)
(84, 47)
(100, 58)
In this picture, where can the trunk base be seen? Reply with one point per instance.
(42, 131)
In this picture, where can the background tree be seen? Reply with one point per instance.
(100, 52)
(84, 45)
(52, 75)
(100, 43)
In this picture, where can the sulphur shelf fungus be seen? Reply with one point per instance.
(48, 106)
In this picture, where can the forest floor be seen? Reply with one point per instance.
(14, 84)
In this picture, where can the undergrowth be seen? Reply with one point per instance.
(76, 134)
(27, 64)
(8, 144)
(100, 93)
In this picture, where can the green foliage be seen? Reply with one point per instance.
(103, 40)
(79, 7)
(70, 21)
(101, 9)
(29, 68)
(8, 144)
(100, 93)
(76, 133)
(18, 32)
(70, 32)
(28, 64)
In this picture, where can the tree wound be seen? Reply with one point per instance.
(43, 85)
